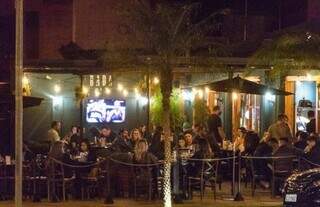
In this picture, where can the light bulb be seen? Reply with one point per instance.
(234, 96)
(57, 88)
(25, 80)
(156, 80)
(96, 92)
(125, 93)
(108, 91)
(120, 87)
(85, 90)
(200, 94)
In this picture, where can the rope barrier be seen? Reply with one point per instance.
(213, 159)
(77, 166)
(310, 162)
(271, 157)
(134, 164)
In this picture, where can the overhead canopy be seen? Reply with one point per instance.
(241, 85)
(29, 101)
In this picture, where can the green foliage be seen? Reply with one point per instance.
(201, 111)
(176, 108)
(298, 50)
(156, 108)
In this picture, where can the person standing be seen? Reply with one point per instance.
(311, 125)
(281, 128)
(53, 133)
(215, 125)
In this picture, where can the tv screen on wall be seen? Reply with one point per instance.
(105, 111)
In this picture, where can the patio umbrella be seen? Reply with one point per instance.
(241, 85)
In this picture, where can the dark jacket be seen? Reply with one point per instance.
(314, 155)
(302, 144)
(284, 164)
(157, 146)
(213, 143)
(311, 126)
(121, 145)
(195, 166)
(147, 158)
(261, 165)
(250, 144)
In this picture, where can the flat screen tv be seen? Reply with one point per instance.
(105, 111)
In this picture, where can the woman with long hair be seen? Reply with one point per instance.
(141, 154)
(135, 135)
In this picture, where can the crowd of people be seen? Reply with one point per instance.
(277, 141)
(191, 143)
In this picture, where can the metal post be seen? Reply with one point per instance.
(18, 102)
(245, 20)
(148, 106)
(81, 108)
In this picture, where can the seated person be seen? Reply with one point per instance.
(239, 141)
(284, 150)
(261, 168)
(135, 136)
(301, 142)
(312, 151)
(203, 152)
(157, 143)
(123, 143)
(141, 154)
(251, 141)
(181, 142)
(189, 143)
(85, 154)
(107, 136)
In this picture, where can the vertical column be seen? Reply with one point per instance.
(18, 103)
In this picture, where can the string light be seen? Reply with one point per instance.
(309, 77)
(234, 96)
(108, 91)
(48, 77)
(200, 94)
(156, 80)
(125, 93)
(96, 92)
(120, 87)
(25, 80)
(57, 88)
(85, 90)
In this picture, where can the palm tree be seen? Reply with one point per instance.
(166, 32)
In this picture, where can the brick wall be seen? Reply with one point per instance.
(314, 9)
(55, 22)
(96, 21)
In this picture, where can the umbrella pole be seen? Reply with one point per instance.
(18, 102)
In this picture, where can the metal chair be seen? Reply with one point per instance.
(208, 177)
(58, 180)
(144, 180)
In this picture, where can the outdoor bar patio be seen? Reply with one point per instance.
(159, 103)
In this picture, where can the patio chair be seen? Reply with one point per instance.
(208, 177)
(59, 180)
(256, 176)
(144, 181)
(6, 181)
(281, 169)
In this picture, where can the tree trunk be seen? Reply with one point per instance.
(166, 89)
